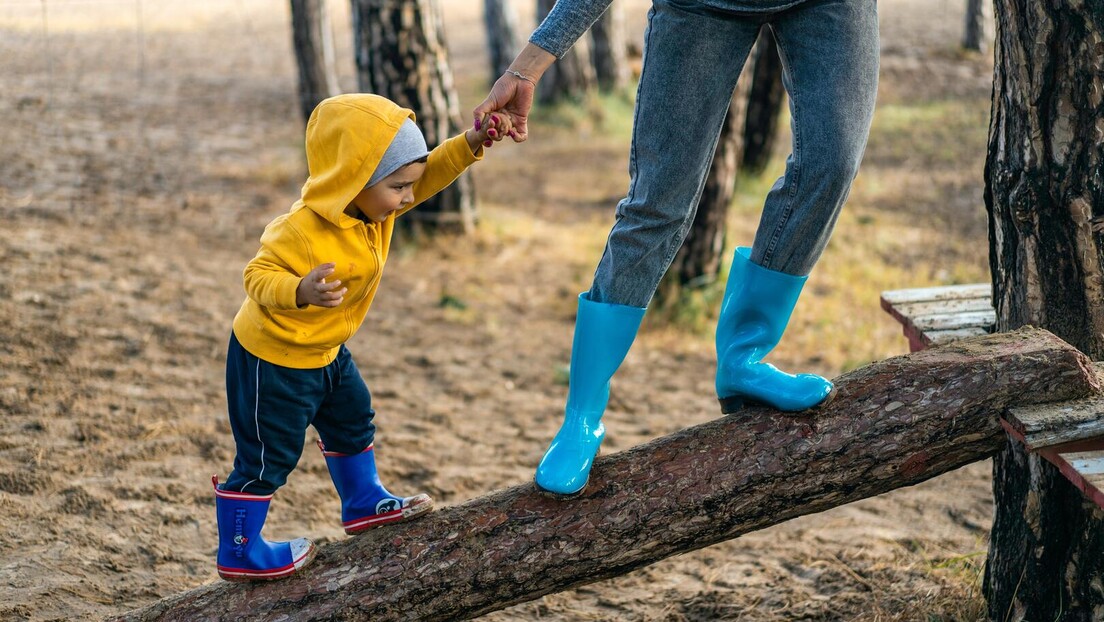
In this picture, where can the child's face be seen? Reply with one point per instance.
(390, 194)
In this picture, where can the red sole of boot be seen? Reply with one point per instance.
(249, 578)
(406, 514)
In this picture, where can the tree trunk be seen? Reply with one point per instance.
(570, 78)
(973, 37)
(894, 423)
(609, 50)
(401, 54)
(1045, 197)
(697, 263)
(501, 22)
(764, 103)
(312, 37)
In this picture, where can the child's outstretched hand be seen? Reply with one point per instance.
(315, 290)
(493, 129)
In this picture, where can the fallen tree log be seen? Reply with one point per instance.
(893, 423)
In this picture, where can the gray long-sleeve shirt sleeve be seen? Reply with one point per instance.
(566, 22)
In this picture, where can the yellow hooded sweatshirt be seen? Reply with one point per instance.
(346, 138)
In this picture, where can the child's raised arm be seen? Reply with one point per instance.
(451, 158)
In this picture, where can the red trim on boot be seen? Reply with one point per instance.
(240, 496)
(240, 574)
(375, 520)
(334, 454)
(419, 505)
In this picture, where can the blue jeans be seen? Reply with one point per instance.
(271, 406)
(693, 55)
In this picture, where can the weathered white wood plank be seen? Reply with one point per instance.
(931, 307)
(952, 321)
(1058, 424)
(1087, 463)
(932, 316)
(949, 292)
(1086, 470)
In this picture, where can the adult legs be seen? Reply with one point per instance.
(829, 49)
(692, 59)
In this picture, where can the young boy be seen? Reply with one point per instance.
(309, 288)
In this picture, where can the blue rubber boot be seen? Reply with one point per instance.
(365, 503)
(756, 309)
(243, 555)
(603, 335)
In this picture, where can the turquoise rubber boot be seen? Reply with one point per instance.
(603, 335)
(756, 309)
(243, 555)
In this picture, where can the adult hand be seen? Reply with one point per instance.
(313, 288)
(513, 95)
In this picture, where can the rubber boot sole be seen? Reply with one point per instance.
(561, 496)
(734, 403)
(410, 512)
(255, 578)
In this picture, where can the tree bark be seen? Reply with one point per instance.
(1045, 197)
(571, 77)
(609, 50)
(973, 37)
(894, 423)
(764, 103)
(312, 38)
(501, 22)
(401, 54)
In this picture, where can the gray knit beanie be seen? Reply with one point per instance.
(409, 145)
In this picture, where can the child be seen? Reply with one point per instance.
(309, 288)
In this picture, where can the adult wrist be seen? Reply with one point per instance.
(521, 76)
(531, 63)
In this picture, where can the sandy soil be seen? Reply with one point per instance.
(137, 169)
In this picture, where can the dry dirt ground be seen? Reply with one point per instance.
(145, 145)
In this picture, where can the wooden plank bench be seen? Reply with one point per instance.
(1068, 434)
(932, 316)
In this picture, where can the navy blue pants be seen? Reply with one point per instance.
(271, 406)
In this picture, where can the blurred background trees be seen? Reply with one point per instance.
(312, 39)
(401, 54)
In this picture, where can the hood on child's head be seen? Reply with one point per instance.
(347, 136)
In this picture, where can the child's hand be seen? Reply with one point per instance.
(496, 127)
(314, 290)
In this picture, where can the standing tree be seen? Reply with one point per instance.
(764, 103)
(609, 50)
(312, 37)
(973, 38)
(1045, 196)
(501, 21)
(572, 77)
(401, 54)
